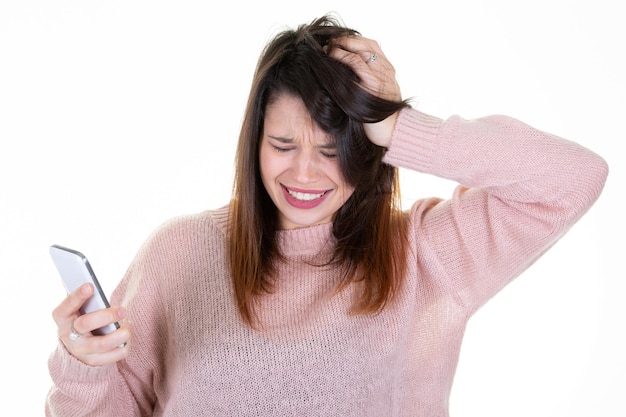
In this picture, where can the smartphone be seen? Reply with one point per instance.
(75, 271)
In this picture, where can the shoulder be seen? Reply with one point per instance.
(187, 233)
(208, 221)
(424, 209)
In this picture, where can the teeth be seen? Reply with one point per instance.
(304, 196)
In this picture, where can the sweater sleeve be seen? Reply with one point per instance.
(126, 387)
(519, 190)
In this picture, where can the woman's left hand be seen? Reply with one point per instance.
(377, 76)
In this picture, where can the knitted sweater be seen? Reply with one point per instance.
(519, 191)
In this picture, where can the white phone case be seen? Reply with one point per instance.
(75, 271)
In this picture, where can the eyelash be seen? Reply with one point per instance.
(279, 149)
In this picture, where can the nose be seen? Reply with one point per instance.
(306, 167)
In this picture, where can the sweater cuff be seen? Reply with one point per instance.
(414, 140)
(63, 365)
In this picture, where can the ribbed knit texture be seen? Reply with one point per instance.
(191, 354)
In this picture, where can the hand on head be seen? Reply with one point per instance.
(377, 75)
(75, 330)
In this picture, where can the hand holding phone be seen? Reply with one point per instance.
(75, 271)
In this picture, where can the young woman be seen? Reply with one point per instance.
(312, 293)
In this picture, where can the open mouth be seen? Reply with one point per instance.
(304, 200)
(305, 196)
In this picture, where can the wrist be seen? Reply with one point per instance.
(380, 133)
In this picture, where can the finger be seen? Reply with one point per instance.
(65, 312)
(359, 55)
(357, 44)
(100, 350)
(367, 50)
(92, 345)
(378, 79)
(101, 359)
(356, 61)
(97, 319)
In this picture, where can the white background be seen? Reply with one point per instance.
(116, 115)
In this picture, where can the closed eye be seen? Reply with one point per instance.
(282, 148)
(328, 149)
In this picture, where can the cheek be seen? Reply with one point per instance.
(265, 175)
(344, 188)
(265, 163)
(270, 169)
(347, 192)
(333, 171)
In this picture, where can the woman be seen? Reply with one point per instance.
(312, 293)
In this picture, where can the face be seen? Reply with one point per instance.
(299, 168)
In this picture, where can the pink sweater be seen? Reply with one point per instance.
(521, 190)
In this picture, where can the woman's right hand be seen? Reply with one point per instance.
(90, 349)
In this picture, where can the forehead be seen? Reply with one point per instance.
(287, 116)
(285, 102)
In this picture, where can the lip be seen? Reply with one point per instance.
(301, 204)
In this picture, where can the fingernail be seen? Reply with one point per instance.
(121, 313)
(86, 289)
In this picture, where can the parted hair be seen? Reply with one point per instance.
(369, 229)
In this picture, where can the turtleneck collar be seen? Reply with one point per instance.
(306, 240)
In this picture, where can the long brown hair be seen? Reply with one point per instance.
(369, 228)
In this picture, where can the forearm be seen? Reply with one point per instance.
(520, 191)
(124, 387)
(502, 155)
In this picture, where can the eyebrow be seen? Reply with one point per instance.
(281, 139)
(326, 145)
